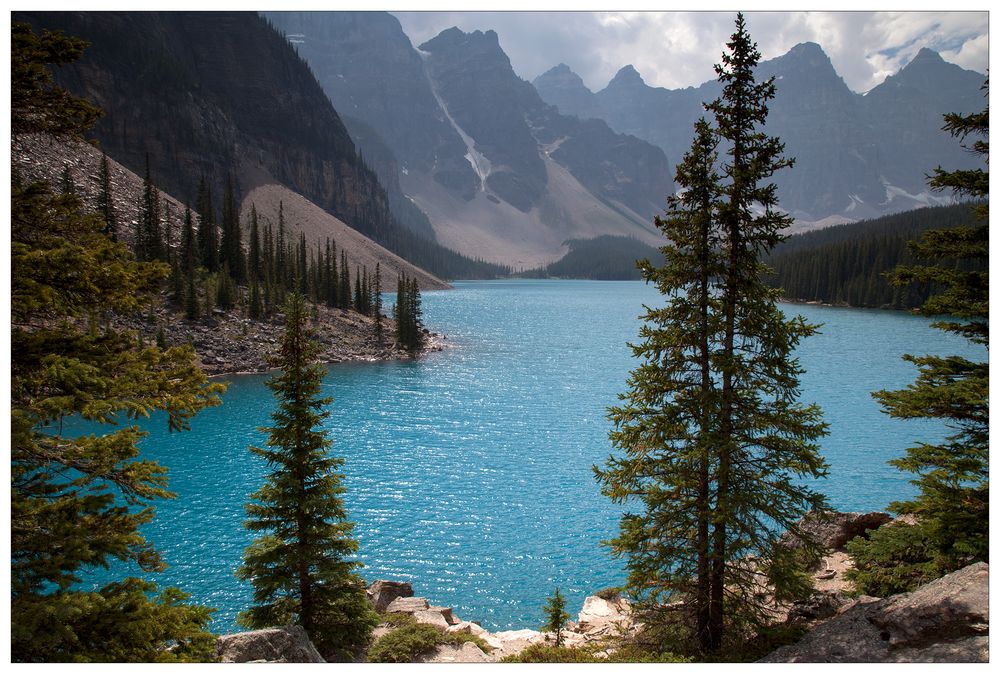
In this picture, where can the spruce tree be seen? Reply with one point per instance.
(208, 238)
(555, 611)
(149, 238)
(78, 502)
(301, 567)
(712, 409)
(379, 327)
(952, 507)
(231, 246)
(106, 200)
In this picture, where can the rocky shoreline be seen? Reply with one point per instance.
(227, 343)
(946, 620)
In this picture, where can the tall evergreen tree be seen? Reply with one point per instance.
(78, 502)
(952, 507)
(555, 611)
(231, 246)
(149, 238)
(208, 237)
(379, 326)
(344, 290)
(301, 567)
(712, 409)
(106, 200)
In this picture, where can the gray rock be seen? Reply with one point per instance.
(277, 644)
(384, 592)
(464, 652)
(946, 620)
(432, 617)
(407, 605)
(832, 530)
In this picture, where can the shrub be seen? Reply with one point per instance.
(411, 640)
(406, 643)
(544, 653)
(894, 559)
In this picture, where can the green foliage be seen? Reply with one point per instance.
(894, 559)
(79, 502)
(952, 507)
(123, 622)
(301, 566)
(715, 445)
(406, 312)
(544, 653)
(410, 640)
(36, 104)
(555, 612)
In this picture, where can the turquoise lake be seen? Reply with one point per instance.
(469, 471)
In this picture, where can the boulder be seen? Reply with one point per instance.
(384, 592)
(832, 530)
(467, 627)
(512, 642)
(407, 605)
(604, 616)
(946, 620)
(464, 652)
(277, 644)
(432, 616)
(819, 606)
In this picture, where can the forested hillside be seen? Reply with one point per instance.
(605, 258)
(846, 264)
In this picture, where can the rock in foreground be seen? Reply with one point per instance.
(276, 644)
(946, 620)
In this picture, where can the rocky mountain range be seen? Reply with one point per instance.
(500, 173)
(857, 155)
(224, 96)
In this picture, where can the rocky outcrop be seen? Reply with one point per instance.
(604, 617)
(464, 652)
(278, 644)
(834, 529)
(383, 592)
(946, 620)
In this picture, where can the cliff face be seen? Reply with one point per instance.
(214, 94)
(499, 173)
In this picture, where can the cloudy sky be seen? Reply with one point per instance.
(678, 49)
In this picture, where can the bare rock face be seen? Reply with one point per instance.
(601, 616)
(464, 652)
(277, 644)
(384, 592)
(407, 605)
(834, 529)
(946, 620)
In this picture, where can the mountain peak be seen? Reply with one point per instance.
(926, 55)
(628, 75)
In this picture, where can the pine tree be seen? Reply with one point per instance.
(712, 408)
(106, 200)
(66, 185)
(952, 508)
(231, 246)
(344, 290)
(555, 611)
(78, 503)
(208, 238)
(301, 566)
(149, 239)
(379, 327)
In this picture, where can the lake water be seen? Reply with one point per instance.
(469, 471)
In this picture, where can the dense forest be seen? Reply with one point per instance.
(847, 264)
